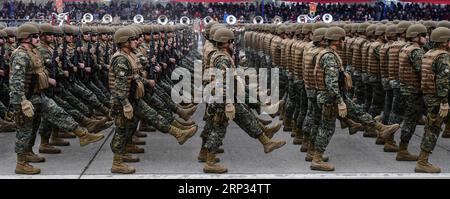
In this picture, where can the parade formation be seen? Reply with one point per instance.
(65, 81)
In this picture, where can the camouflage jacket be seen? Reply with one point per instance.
(331, 65)
(416, 59)
(440, 67)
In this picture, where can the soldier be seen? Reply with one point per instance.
(127, 89)
(28, 80)
(357, 63)
(435, 87)
(5, 126)
(410, 61)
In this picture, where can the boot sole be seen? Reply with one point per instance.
(59, 144)
(387, 134)
(121, 172)
(25, 173)
(390, 150)
(93, 141)
(276, 147)
(207, 171)
(320, 169)
(49, 152)
(406, 160)
(423, 171)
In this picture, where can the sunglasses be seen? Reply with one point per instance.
(35, 36)
(133, 39)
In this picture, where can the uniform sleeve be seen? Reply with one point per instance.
(376, 52)
(416, 59)
(121, 70)
(19, 62)
(331, 67)
(441, 67)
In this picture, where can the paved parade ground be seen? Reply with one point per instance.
(353, 156)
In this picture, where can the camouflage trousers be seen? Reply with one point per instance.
(3, 110)
(413, 111)
(356, 113)
(46, 111)
(283, 83)
(100, 94)
(218, 123)
(367, 92)
(398, 107)
(302, 103)
(359, 90)
(67, 96)
(85, 95)
(377, 101)
(327, 126)
(292, 98)
(432, 128)
(126, 127)
(313, 114)
(158, 104)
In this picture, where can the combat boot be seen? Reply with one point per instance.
(6, 126)
(30, 156)
(275, 109)
(423, 166)
(145, 127)
(177, 124)
(105, 111)
(403, 153)
(379, 141)
(45, 147)
(220, 150)
(211, 166)
(390, 145)
(186, 123)
(22, 166)
(182, 135)
(131, 148)
(130, 158)
(66, 135)
(135, 140)
(271, 130)
(446, 133)
(95, 126)
(377, 118)
(287, 125)
(119, 167)
(186, 113)
(306, 144)
(87, 138)
(202, 155)
(270, 145)
(386, 130)
(185, 106)
(370, 132)
(298, 137)
(319, 165)
(56, 141)
(265, 122)
(310, 155)
(353, 127)
(140, 134)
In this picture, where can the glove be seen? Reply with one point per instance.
(27, 108)
(443, 110)
(342, 110)
(128, 111)
(230, 111)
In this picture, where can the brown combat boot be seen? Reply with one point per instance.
(135, 140)
(306, 144)
(87, 138)
(186, 113)
(298, 137)
(265, 122)
(66, 135)
(220, 150)
(370, 132)
(145, 127)
(446, 133)
(386, 130)
(287, 125)
(379, 141)
(211, 166)
(6, 126)
(185, 106)
(390, 145)
(30, 156)
(271, 130)
(182, 135)
(119, 167)
(186, 123)
(423, 166)
(131, 148)
(95, 126)
(177, 124)
(140, 134)
(45, 147)
(403, 153)
(130, 158)
(56, 141)
(22, 166)
(353, 127)
(202, 155)
(270, 145)
(319, 165)
(105, 111)
(310, 154)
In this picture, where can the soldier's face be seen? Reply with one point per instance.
(94, 38)
(69, 38)
(11, 39)
(104, 37)
(35, 40)
(86, 37)
(422, 40)
(133, 43)
(2, 41)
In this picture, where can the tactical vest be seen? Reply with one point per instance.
(428, 80)
(393, 60)
(373, 63)
(384, 60)
(289, 55)
(283, 58)
(357, 53)
(35, 68)
(308, 62)
(267, 40)
(407, 75)
(207, 50)
(348, 50)
(365, 56)
(135, 70)
(275, 50)
(319, 72)
(297, 59)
